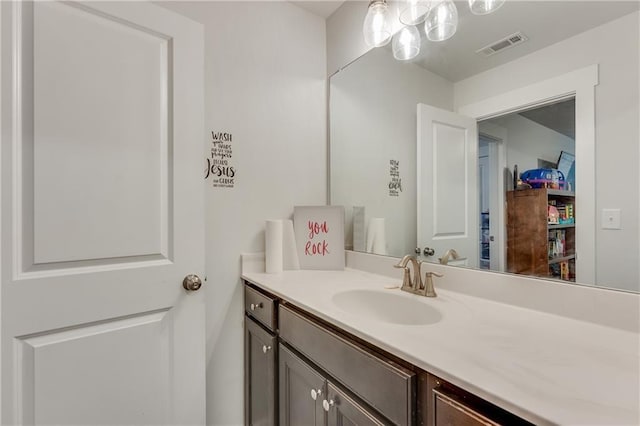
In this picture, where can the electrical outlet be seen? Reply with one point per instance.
(611, 219)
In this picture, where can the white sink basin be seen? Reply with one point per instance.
(386, 307)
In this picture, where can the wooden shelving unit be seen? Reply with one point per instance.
(528, 234)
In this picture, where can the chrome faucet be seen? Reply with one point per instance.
(451, 253)
(415, 285)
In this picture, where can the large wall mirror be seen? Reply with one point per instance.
(423, 152)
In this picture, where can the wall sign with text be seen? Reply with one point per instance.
(395, 184)
(319, 236)
(220, 170)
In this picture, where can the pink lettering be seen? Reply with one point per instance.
(316, 228)
(319, 248)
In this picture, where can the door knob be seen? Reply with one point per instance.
(428, 251)
(191, 282)
(265, 348)
(327, 404)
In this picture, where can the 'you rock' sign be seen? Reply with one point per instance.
(317, 244)
(319, 236)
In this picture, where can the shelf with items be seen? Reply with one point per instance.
(541, 233)
(485, 257)
(559, 259)
(562, 226)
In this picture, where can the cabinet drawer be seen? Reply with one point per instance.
(386, 387)
(450, 411)
(260, 306)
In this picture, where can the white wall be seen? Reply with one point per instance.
(361, 107)
(614, 46)
(265, 77)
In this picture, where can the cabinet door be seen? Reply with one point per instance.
(260, 375)
(344, 411)
(302, 390)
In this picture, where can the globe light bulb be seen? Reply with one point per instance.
(406, 43)
(376, 28)
(414, 12)
(484, 7)
(442, 21)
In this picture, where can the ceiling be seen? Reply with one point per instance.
(560, 117)
(542, 22)
(323, 9)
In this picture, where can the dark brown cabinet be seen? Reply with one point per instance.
(302, 390)
(260, 359)
(342, 410)
(260, 375)
(300, 370)
(307, 397)
(443, 404)
(535, 246)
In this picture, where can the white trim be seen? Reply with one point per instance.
(579, 83)
(499, 136)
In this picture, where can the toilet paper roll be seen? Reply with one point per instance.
(376, 239)
(289, 250)
(273, 246)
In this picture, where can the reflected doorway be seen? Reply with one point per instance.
(490, 201)
(540, 137)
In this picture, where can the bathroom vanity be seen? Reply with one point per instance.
(302, 370)
(342, 347)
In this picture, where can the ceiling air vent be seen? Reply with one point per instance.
(505, 43)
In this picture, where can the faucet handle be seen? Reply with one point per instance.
(429, 289)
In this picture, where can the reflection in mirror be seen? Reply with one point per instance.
(540, 223)
(378, 167)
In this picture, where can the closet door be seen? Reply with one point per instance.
(102, 214)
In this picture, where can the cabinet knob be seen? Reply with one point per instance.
(315, 393)
(255, 306)
(328, 404)
(265, 348)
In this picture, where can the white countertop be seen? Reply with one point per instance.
(546, 368)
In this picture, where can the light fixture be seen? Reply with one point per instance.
(406, 43)
(376, 27)
(442, 21)
(483, 7)
(414, 12)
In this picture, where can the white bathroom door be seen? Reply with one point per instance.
(102, 215)
(448, 184)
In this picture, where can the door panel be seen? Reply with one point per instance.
(345, 411)
(260, 375)
(80, 358)
(297, 380)
(447, 183)
(102, 214)
(100, 146)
